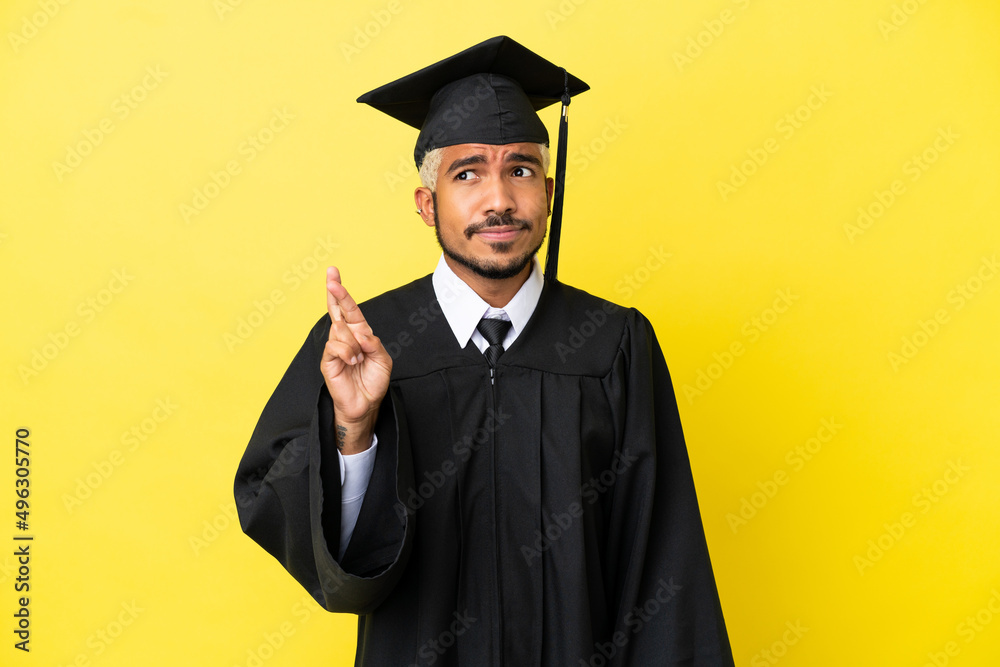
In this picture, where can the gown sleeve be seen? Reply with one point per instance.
(355, 471)
(666, 604)
(288, 496)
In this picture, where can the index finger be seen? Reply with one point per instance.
(339, 301)
(332, 304)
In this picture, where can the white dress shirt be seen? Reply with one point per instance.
(462, 309)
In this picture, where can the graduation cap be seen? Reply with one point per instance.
(486, 94)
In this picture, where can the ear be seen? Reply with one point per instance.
(424, 199)
(550, 188)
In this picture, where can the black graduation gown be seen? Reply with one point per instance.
(548, 519)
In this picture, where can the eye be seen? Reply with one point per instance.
(523, 172)
(464, 175)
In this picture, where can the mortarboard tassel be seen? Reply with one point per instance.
(552, 255)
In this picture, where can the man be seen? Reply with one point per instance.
(511, 486)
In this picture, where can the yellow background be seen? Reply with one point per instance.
(682, 95)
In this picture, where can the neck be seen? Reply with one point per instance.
(497, 293)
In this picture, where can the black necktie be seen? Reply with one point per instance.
(494, 331)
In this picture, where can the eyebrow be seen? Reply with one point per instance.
(466, 161)
(524, 157)
(481, 159)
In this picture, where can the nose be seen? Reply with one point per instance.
(498, 198)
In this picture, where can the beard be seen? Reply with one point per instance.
(491, 269)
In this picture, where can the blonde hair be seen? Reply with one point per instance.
(432, 162)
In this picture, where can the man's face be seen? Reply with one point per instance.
(491, 207)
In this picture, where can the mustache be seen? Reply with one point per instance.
(505, 220)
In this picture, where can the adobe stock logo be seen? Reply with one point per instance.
(752, 331)
(924, 500)
(914, 168)
(263, 309)
(213, 528)
(252, 146)
(131, 440)
(797, 457)
(779, 649)
(88, 310)
(786, 126)
(223, 7)
(270, 642)
(363, 35)
(434, 648)
(565, 9)
(579, 159)
(958, 298)
(122, 107)
(104, 637)
(558, 524)
(635, 621)
(899, 16)
(462, 450)
(967, 630)
(31, 25)
(698, 43)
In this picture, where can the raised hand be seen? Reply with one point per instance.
(355, 366)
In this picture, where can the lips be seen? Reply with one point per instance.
(499, 234)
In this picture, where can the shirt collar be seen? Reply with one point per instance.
(463, 308)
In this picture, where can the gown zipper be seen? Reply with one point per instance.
(496, 528)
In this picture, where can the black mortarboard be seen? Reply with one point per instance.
(487, 94)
